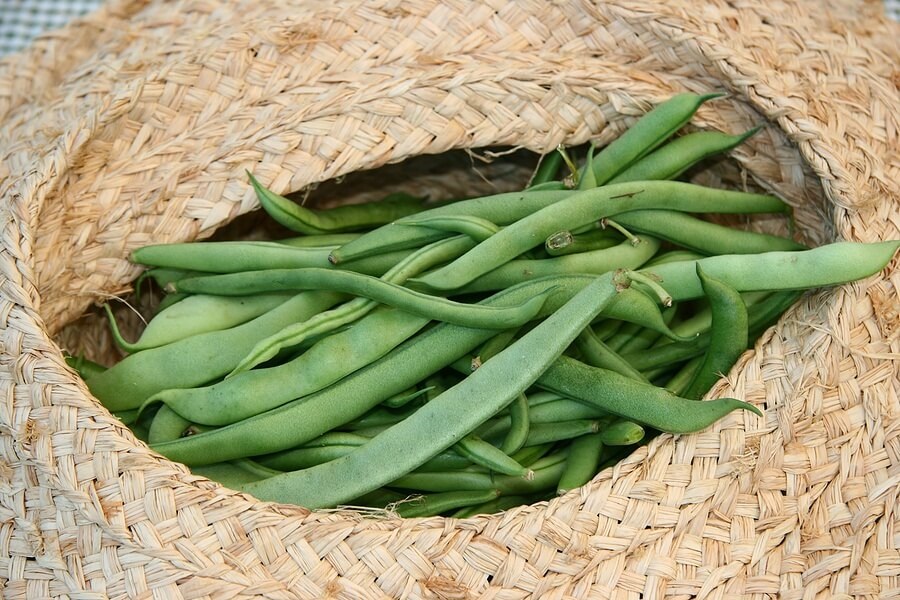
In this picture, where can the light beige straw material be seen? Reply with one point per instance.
(135, 125)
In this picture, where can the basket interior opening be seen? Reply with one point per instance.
(442, 177)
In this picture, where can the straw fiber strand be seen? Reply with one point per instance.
(142, 121)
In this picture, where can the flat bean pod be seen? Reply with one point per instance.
(197, 314)
(624, 255)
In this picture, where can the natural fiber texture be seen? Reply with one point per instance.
(135, 125)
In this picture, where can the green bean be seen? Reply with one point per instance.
(581, 463)
(565, 242)
(325, 322)
(85, 368)
(621, 337)
(729, 334)
(493, 346)
(348, 217)
(598, 354)
(519, 425)
(833, 264)
(547, 471)
(380, 498)
(167, 425)
(528, 455)
(323, 240)
(679, 382)
(500, 504)
(170, 300)
(680, 154)
(547, 169)
(474, 227)
(624, 255)
(633, 400)
(137, 377)
(233, 474)
(648, 132)
(587, 178)
(673, 256)
(325, 362)
(306, 418)
(544, 433)
(236, 257)
(449, 417)
(488, 456)
(703, 236)
(548, 413)
(197, 314)
(163, 276)
(583, 208)
(500, 209)
(406, 396)
(434, 504)
(621, 433)
(433, 307)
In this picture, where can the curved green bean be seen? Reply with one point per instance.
(633, 400)
(349, 217)
(581, 463)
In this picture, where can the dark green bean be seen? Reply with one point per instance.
(581, 463)
(544, 433)
(349, 217)
(728, 337)
(547, 169)
(621, 433)
(598, 354)
(434, 504)
(565, 242)
(633, 400)
(519, 424)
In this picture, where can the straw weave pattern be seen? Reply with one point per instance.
(135, 125)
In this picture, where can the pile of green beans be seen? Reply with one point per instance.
(471, 356)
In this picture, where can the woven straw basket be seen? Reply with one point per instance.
(135, 125)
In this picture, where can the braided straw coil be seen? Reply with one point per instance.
(135, 125)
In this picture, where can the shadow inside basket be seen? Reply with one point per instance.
(524, 450)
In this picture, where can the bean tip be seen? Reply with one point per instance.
(333, 258)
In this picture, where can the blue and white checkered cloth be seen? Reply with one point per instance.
(22, 20)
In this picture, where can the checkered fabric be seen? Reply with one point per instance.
(21, 20)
